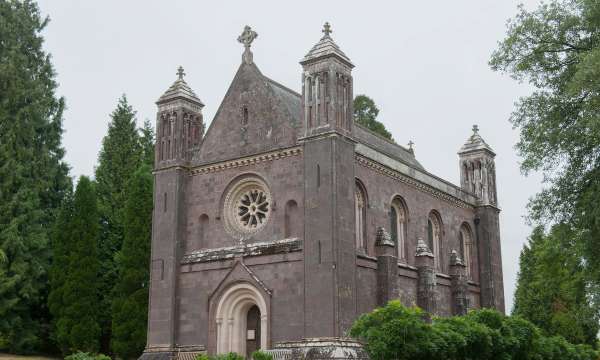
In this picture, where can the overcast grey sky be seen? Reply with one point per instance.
(423, 62)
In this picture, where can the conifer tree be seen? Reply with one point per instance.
(60, 243)
(75, 299)
(551, 287)
(130, 306)
(119, 157)
(33, 177)
(147, 143)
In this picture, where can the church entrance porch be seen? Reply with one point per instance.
(241, 320)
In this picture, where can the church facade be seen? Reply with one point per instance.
(285, 220)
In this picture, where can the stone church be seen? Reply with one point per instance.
(285, 220)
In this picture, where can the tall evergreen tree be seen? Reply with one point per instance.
(120, 156)
(130, 306)
(365, 113)
(33, 177)
(551, 288)
(74, 301)
(147, 143)
(61, 251)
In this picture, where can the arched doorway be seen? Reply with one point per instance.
(252, 330)
(241, 319)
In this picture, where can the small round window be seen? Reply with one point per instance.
(247, 207)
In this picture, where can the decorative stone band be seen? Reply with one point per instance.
(253, 249)
(384, 170)
(246, 161)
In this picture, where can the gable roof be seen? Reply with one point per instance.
(291, 102)
(289, 98)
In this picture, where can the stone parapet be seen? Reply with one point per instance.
(324, 348)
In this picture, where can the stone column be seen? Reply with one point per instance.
(459, 285)
(387, 267)
(426, 293)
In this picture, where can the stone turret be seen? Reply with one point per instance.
(179, 124)
(478, 176)
(477, 168)
(327, 93)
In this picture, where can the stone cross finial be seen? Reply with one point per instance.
(247, 36)
(410, 146)
(475, 129)
(180, 72)
(327, 29)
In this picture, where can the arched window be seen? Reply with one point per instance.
(434, 236)
(202, 231)
(291, 221)
(360, 205)
(465, 239)
(398, 220)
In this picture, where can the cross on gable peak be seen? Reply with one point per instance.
(475, 129)
(247, 37)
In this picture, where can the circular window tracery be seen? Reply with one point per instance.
(247, 207)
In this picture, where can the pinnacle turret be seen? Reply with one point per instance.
(180, 90)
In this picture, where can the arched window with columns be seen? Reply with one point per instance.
(360, 210)
(398, 224)
(465, 242)
(434, 237)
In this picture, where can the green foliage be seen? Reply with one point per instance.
(74, 296)
(556, 49)
(33, 177)
(228, 356)
(365, 113)
(397, 332)
(120, 156)
(147, 143)
(552, 289)
(130, 304)
(261, 355)
(87, 356)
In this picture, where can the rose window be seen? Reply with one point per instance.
(247, 207)
(253, 207)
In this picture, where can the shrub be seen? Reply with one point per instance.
(228, 356)
(261, 355)
(398, 332)
(86, 356)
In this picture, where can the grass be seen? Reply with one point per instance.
(4, 356)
